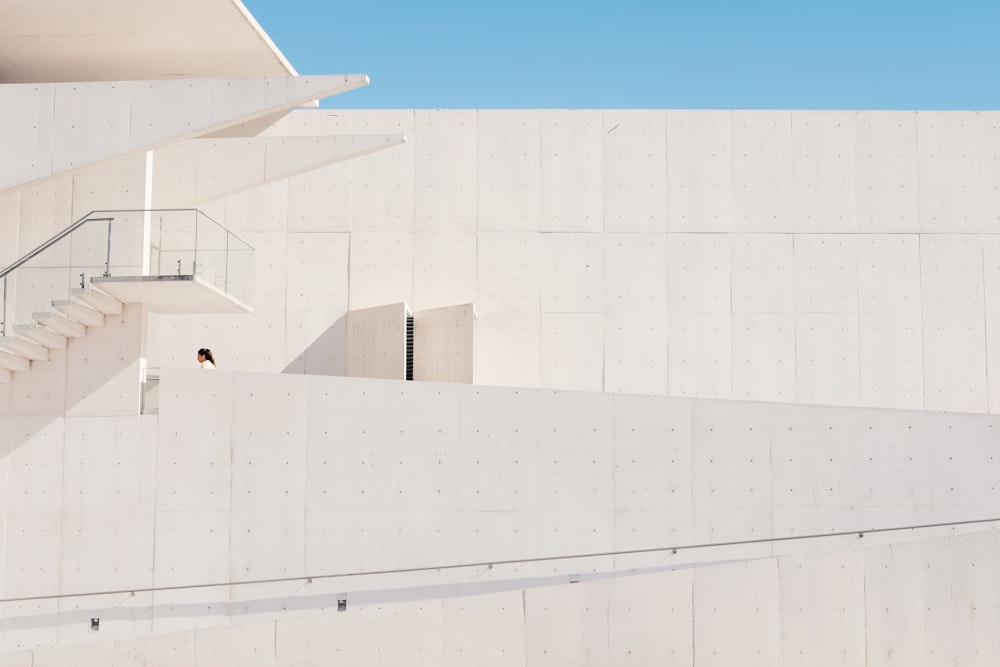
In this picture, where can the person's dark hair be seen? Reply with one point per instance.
(207, 353)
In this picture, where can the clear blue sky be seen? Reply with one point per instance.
(806, 54)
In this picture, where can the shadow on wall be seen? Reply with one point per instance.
(95, 376)
(326, 355)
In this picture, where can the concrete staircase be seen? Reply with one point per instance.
(30, 343)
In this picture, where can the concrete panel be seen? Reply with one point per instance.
(698, 171)
(891, 360)
(226, 166)
(376, 342)
(743, 596)
(35, 465)
(827, 358)
(264, 544)
(698, 273)
(31, 142)
(498, 429)
(119, 184)
(488, 630)
(507, 273)
(99, 464)
(823, 169)
(321, 201)
(826, 273)
(763, 357)
(699, 361)
(975, 597)
(171, 649)
(261, 209)
(444, 347)
(444, 190)
(989, 156)
(963, 460)
(46, 210)
(250, 645)
(444, 269)
(317, 301)
(419, 539)
(341, 542)
(991, 294)
(508, 171)
(498, 536)
(32, 556)
(572, 273)
(107, 551)
(90, 654)
(177, 564)
(193, 473)
(730, 458)
(889, 273)
(103, 369)
(507, 349)
(635, 353)
(42, 390)
(572, 351)
(9, 206)
(581, 614)
(571, 171)
(887, 188)
(635, 171)
(381, 268)
(955, 361)
(822, 607)
(949, 172)
(652, 453)
(256, 486)
(951, 273)
(811, 463)
(635, 272)
(382, 188)
(908, 587)
(762, 273)
(762, 178)
(574, 451)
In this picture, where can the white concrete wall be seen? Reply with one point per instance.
(444, 344)
(842, 258)
(911, 604)
(290, 475)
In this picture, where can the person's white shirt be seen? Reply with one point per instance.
(208, 365)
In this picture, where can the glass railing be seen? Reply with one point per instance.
(122, 244)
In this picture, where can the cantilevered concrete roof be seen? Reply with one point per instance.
(107, 40)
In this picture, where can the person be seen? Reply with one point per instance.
(206, 359)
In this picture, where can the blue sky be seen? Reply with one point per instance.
(770, 54)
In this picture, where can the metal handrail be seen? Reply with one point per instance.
(492, 563)
(54, 240)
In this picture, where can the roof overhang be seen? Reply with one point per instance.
(118, 40)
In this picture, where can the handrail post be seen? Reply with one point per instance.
(107, 257)
(3, 313)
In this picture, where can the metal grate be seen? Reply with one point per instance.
(409, 347)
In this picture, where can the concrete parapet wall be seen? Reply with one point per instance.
(276, 476)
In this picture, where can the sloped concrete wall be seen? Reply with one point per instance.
(274, 476)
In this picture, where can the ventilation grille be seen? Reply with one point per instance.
(409, 347)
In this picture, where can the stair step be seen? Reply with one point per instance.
(41, 335)
(24, 347)
(13, 362)
(79, 312)
(98, 300)
(4, 375)
(60, 324)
